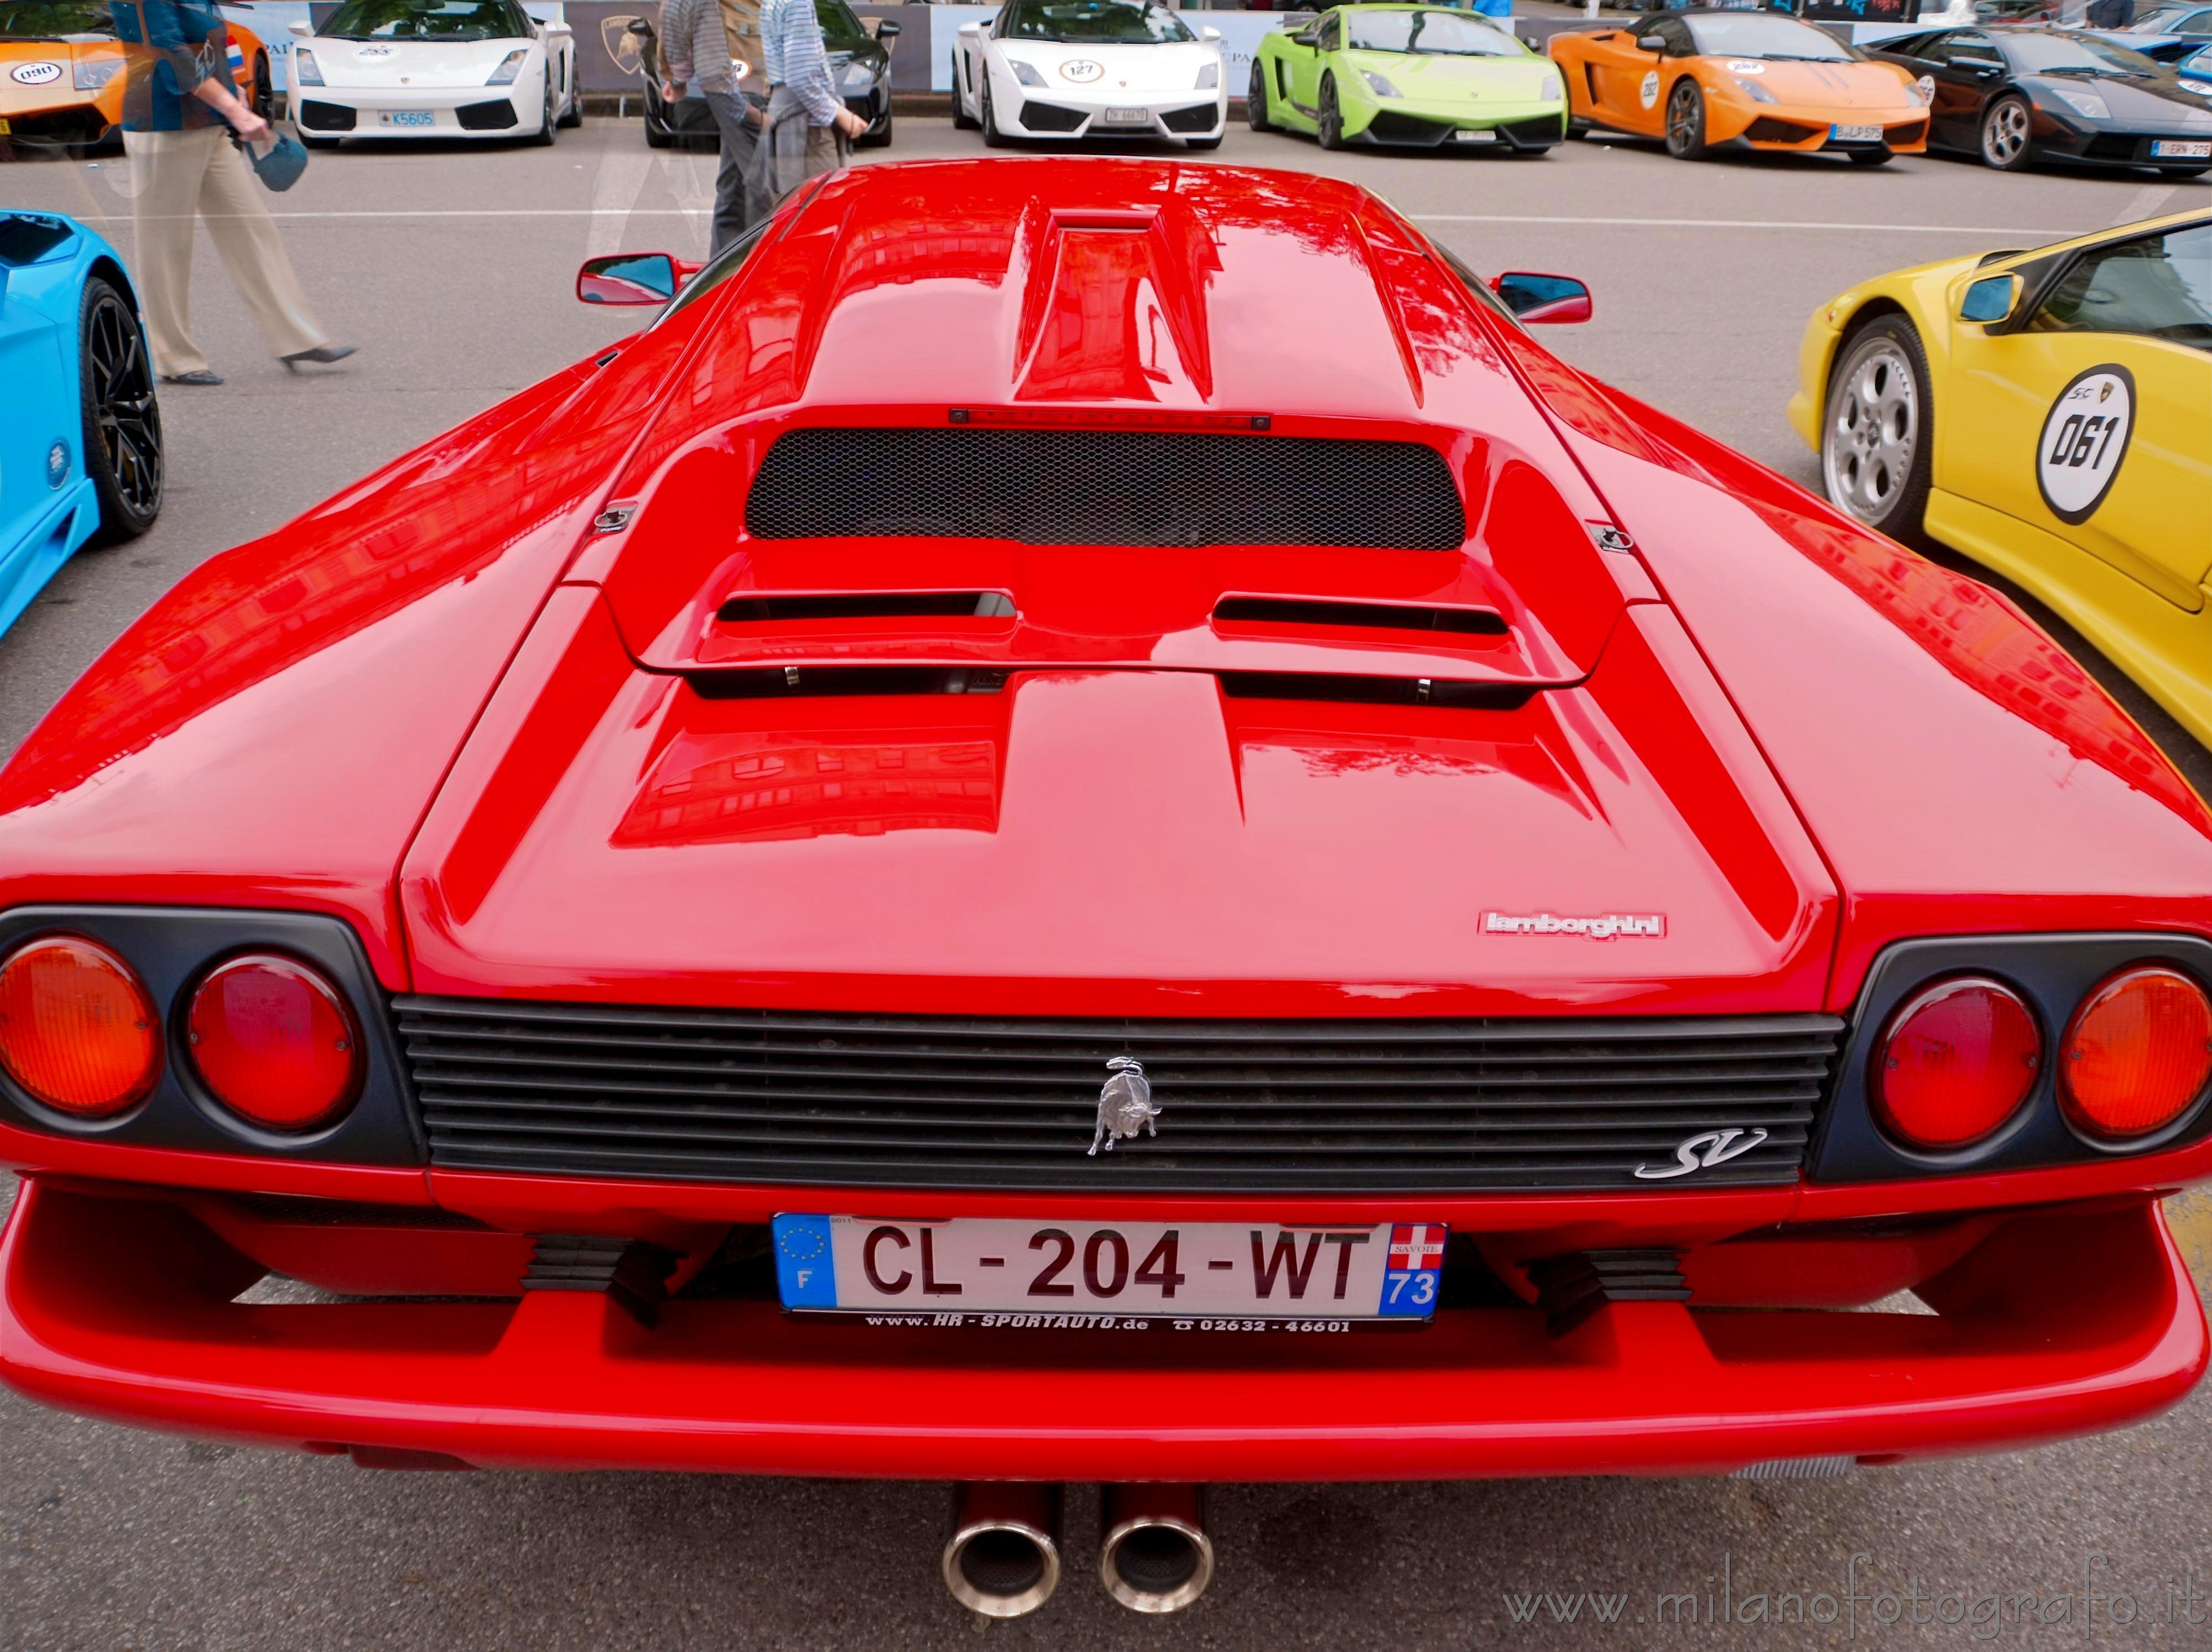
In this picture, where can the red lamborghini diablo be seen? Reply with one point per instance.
(1083, 820)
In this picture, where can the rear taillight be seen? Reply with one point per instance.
(273, 1041)
(2137, 1054)
(77, 1030)
(1958, 1059)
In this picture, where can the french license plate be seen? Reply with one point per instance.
(1474, 137)
(1854, 134)
(406, 118)
(1128, 117)
(991, 1273)
(2172, 149)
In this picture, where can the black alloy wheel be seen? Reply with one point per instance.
(1328, 123)
(1686, 121)
(122, 419)
(1256, 99)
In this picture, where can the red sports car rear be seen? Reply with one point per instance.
(951, 863)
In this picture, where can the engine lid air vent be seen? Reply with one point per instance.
(770, 609)
(1366, 615)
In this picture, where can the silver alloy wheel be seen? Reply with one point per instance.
(1873, 430)
(1685, 117)
(2004, 133)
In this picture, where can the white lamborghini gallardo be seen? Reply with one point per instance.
(1075, 68)
(433, 69)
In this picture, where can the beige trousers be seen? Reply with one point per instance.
(176, 179)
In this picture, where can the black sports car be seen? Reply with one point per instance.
(861, 62)
(2018, 96)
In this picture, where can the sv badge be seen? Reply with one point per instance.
(1703, 1153)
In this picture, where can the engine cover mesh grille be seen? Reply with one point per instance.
(951, 1101)
(1105, 488)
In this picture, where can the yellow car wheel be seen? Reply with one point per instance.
(1876, 433)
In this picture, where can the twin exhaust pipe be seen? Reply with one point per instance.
(1003, 1558)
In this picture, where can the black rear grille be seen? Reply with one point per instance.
(1105, 488)
(947, 1102)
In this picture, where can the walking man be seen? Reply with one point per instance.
(695, 41)
(809, 128)
(180, 109)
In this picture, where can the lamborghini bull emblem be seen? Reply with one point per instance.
(1125, 1104)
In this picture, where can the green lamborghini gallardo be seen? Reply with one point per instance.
(1411, 75)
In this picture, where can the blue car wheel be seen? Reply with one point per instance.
(122, 420)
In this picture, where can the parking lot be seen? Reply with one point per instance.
(452, 269)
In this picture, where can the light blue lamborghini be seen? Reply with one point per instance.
(79, 432)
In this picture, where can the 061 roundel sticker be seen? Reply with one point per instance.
(2085, 436)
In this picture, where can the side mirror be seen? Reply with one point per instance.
(1211, 35)
(627, 278)
(640, 27)
(1990, 299)
(305, 31)
(1543, 298)
(1651, 43)
(887, 30)
(555, 28)
(972, 31)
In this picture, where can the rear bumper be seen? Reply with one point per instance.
(118, 1304)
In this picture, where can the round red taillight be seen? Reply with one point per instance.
(274, 1042)
(77, 1030)
(2137, 1054)
(1959, 1058)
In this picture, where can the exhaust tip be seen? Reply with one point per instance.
(1157, 1557)
(1003, 1558)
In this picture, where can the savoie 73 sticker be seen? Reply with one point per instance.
(2085, 437)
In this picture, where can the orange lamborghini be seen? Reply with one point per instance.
(1740, 79)
(61, 72)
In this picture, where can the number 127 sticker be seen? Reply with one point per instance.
(2085, 437)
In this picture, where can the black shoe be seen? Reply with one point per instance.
(204, 376)
(324, 353)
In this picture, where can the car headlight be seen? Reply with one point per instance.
(305, 70)
(91, 77)
(1753, 90)
(1025, 73)
(2085, 103)
(509, 67)
(1924, 89)
(858, 77)
(1209, 76)
(1555, 91)
(1383, 87)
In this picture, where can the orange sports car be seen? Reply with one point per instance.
(1740, 79)
(62, 76)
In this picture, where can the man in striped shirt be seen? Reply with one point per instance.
(809, 128)
(694, 42)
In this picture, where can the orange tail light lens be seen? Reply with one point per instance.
(1957, 1061)
(2137, 1054)
(275, 1041)
(78, 1030)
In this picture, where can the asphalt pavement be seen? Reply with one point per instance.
(451, 268)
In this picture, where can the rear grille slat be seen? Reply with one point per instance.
(1310, 1106)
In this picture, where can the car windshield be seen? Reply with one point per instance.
(426, 19)
(55, 20)
(2164, 19)
(1446, 33)
(1100, 22)
(1760, 34)
(840, 29)
(2042, 53)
